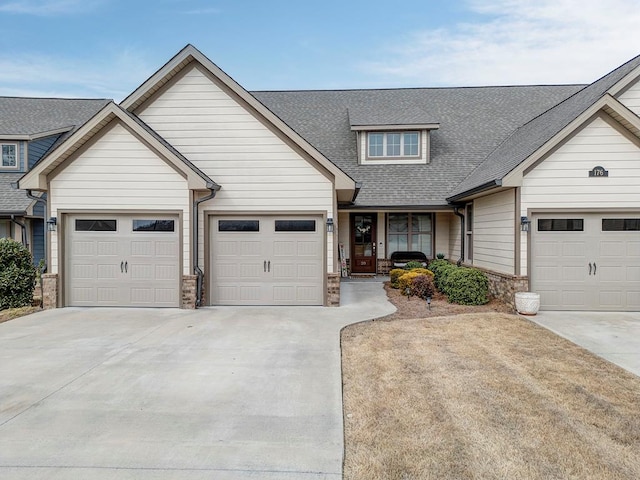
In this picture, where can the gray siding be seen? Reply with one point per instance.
(37, 242)
(39, 147)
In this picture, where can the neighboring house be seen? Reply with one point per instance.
(194, 191)
(29, 128)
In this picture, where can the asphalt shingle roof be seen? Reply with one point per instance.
(12, 200)
(473, 122)
(29, 116)
(526, 140)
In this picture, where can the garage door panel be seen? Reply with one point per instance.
(124, 266)
(273, 261)
(598, 262)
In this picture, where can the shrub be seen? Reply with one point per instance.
(467, 286)
(422, 271)
(441, 269)
(17, 275)
(440, 256)
(422, 286)
(413, 264)
(395, 274)
(404, 282)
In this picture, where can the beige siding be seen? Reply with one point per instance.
(442, 240)
(631, 98)
(257, 170)
(454, 238)
(493, 232)
(119, 173)
(562, 180)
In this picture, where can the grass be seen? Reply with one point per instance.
(483, 396)
(12, 313)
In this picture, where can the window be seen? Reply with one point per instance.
(238, 225)
(410, 232)
(153, 226)
(295, 225)
(620, 224)
(560, 225)
(5, 229)
(96, 225)
(393, 144)
(9, 155)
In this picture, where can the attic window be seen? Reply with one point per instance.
(9, 155)
(393, 144)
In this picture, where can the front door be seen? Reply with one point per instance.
(363, 242)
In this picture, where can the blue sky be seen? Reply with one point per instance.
(106, 48)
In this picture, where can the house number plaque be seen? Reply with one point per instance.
(598, 172)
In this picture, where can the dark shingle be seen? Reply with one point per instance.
(12, 200)
(473, 122)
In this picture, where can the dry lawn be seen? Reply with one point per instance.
(483, 396)
(11, 313)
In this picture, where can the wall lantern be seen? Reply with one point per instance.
(329, 225)
(525, 223)
(51, 224)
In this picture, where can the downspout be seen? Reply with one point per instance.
(44, 233)
(24, 229)
(457, 213)
(213, 189)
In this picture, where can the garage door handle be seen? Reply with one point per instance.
(126, 267)
(265, 266)
(121, 267)
(269, 266)
(589, 268)
(594, 268)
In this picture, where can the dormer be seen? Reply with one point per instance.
(392, 136)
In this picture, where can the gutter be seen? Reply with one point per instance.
(44, 226)
(456, 211)
(473, 191)
(213, 189)
(24, 229)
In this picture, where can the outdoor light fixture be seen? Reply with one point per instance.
(525, 223)
(428, 302)
(51, 224)
(329, 225)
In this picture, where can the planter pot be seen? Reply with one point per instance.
(527, 303)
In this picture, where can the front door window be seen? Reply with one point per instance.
(363, 243)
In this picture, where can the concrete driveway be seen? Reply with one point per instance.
(614, 336)
(224, 393)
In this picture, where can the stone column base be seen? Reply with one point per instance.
(49, 290)
(189, 287)
(333, 290)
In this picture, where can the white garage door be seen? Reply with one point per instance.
(117, 260)
(586, 261)
(267, 260)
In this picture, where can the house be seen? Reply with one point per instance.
(194, 191)
(29, 128)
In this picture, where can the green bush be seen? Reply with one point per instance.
(395, 274)
(467, 286)
(440, 256)
(17, 275)
(441, 270)
(413, 264)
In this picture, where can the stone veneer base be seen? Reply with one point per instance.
(49, 290)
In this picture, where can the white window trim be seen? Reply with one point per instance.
(385, 144)
(421, 158)
(17, 165)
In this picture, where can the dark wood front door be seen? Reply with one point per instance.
(363, 242)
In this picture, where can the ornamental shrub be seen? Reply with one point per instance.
(422, 271)
(413, 264)
(467, 286)
(404, 282)
(441, 269)
(17, 275)
(395, 274)
(422, 286)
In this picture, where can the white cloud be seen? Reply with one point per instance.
(115, 76)
(47, 7)
(517, 42)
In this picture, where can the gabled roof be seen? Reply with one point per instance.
(473, 122)
(29, 118)
(535, 134)
(371, 117)
(12, 200)
(36, 179)
(190, 54)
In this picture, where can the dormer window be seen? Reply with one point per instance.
(393, 144)
(9, 156)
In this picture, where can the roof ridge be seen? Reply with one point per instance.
(392, 89)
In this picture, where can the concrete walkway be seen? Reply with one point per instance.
(614, 336)
(224, 393)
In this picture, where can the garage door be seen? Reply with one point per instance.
(586, 261)
(267, 260)
(131, 261)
